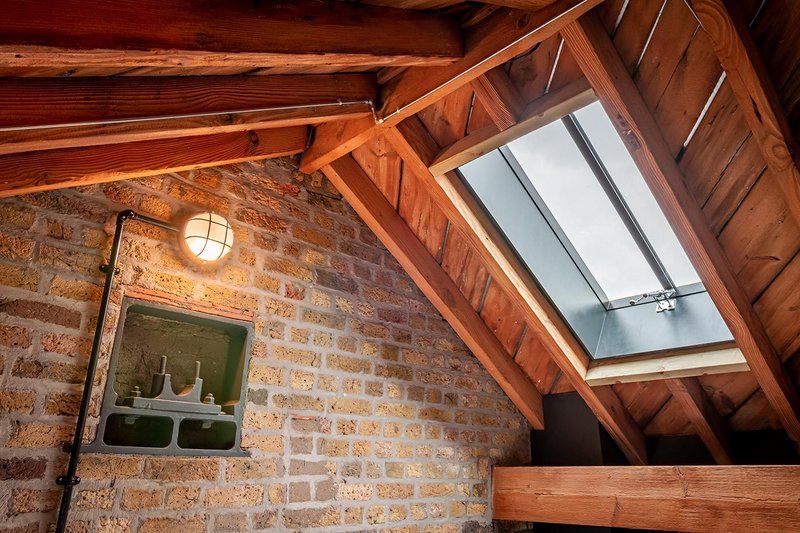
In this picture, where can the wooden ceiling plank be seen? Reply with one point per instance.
(757, 96)
(704, 417)
(499, 96)
(185, 33)
(417, 148)
(55, 169)
(489, 44)
(606, 72)
(373, 208)
(668, 498)
(28, 102)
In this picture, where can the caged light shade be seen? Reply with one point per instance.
(207, 237)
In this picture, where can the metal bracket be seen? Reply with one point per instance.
(67, 481)
(665, 299)
(104, 269)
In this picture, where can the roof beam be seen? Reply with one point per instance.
(56, 169)
(499, 97)
(707, 422)
(50, 113)
(373, 208)
(42, 102)
(603, 67)
(530, 5)
(237, 33)
(29, 140)
(414, 144)
(669, 498)
(758, 99)
(503, 35)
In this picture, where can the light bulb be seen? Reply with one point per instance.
(207, 237)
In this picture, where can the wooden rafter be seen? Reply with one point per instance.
(669, 498)
(704, 417)
(758, 99)
(249, 35)
(499, 96)
(54, 169)
(373, 208)
(414, 144)
(603, 67)
(500, 37)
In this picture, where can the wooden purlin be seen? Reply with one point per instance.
(55, 169)
(185, 33)
(606, 72)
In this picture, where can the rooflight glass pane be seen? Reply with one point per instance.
(571, 192)
(617, 160)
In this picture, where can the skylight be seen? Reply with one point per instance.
(574, 195)
(572, 203)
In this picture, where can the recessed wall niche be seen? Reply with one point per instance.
(176, 383)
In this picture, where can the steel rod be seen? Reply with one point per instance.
(70, 479)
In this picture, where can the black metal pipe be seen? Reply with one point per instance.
(615, 196)
(70, 479)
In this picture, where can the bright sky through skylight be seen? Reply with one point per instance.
(571, 192)
(626, 176)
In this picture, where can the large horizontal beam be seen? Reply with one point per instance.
(29, 140)
(503, 35)
(667, 498)
(376, 211)
(603, 67)
(414, 144)
(232, 33)
(40, 102)
(54, 169)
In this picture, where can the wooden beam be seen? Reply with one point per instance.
(55, 169)
(236, 33)
(758, 99)
(499, 96)
(704, 417)
(536, 114)
(373, 208)
(673, 365)
(503, 35)
(414, 144)
(667, 498)
(40, 102)
(29, 140)
(530, 5)
(603, 67)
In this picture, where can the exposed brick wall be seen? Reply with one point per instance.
(364, 412)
